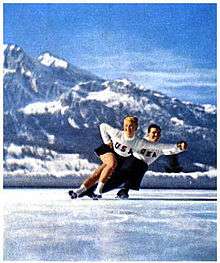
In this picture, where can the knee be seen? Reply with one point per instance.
(109, 160)
(112, 164)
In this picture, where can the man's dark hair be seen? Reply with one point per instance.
(153, 126)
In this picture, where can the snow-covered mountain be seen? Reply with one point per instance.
(62, 112)
(28, 80)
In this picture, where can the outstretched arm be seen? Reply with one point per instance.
(166, 149)
(179, 147)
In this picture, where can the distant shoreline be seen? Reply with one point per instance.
(151, 180)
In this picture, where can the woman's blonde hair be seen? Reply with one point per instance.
(132, 119)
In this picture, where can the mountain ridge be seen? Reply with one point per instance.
(67, 120)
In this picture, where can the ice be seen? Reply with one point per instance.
(45, 224)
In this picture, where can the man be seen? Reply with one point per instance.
(144, 157)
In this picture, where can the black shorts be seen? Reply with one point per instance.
(106, 149)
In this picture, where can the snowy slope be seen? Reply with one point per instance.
(28, 80)
(42, 167)
(65, 119)
(77, 114)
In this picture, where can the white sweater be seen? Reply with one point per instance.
(140, 148)
(150, 152)
(122, 145)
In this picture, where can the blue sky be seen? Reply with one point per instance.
(169, 47)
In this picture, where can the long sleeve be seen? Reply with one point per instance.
(107, 132)
(170, 149)
(164, 148)
(149, 152)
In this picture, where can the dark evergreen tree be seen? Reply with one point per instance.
(174, 166)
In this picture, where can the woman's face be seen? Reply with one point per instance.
(129, 128)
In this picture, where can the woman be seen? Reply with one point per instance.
(116, 148)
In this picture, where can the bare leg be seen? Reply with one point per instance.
(92, 179)
(107, 171)
(101, 174)
(110, 164)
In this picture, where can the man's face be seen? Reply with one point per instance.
(153, 135)
(129, 128)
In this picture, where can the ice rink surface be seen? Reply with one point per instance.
(46, 225)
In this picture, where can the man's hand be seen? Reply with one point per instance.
(182, 145)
